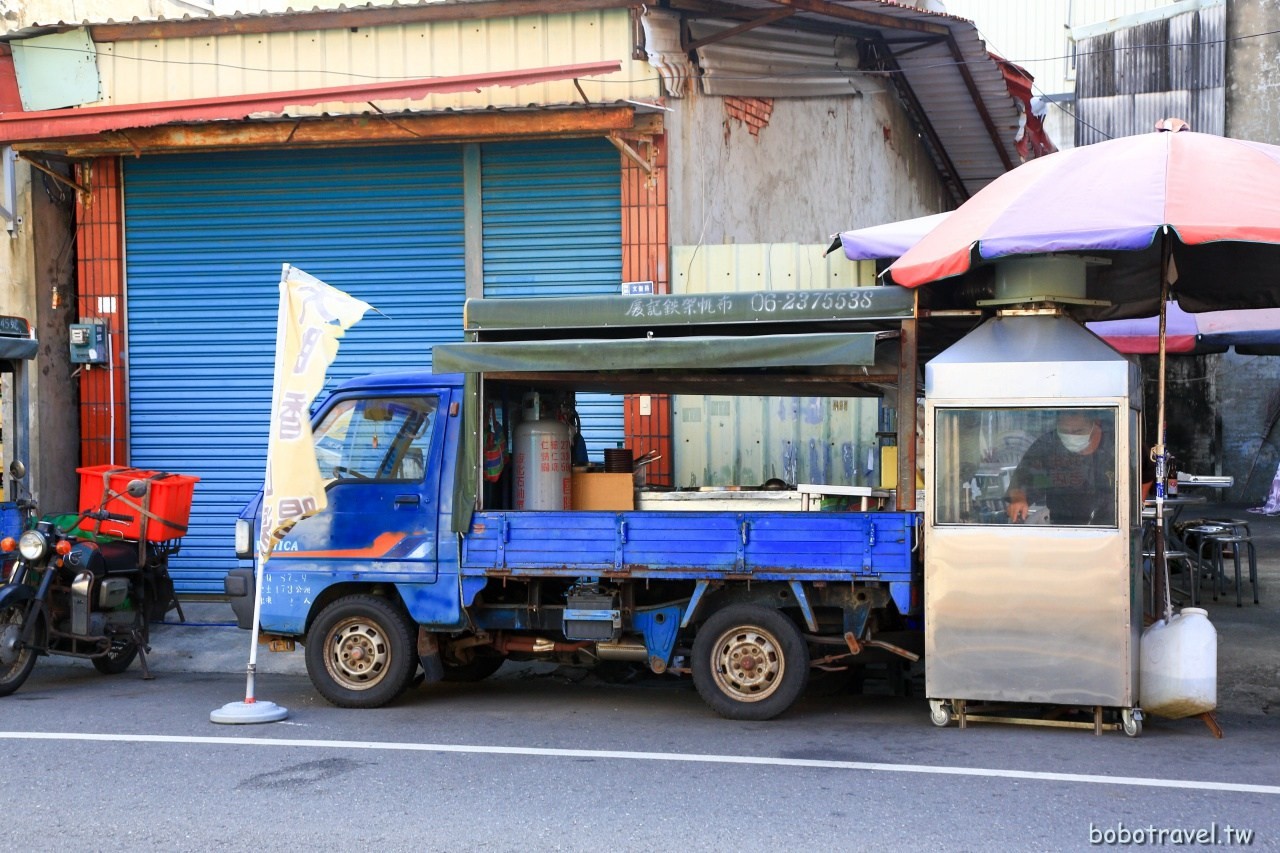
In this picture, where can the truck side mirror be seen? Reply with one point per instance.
(17, 470)
(136, 488)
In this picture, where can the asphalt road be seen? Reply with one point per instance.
(539, 760)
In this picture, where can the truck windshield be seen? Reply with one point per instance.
(376, 438)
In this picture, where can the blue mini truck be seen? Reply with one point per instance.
(418, 564)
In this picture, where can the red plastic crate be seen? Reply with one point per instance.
(167, 502)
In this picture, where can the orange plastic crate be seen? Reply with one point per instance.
(168, 502)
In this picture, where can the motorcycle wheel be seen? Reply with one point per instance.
(15, 663)
(118, 659)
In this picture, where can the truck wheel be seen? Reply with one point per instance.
(361, 652)
(750, 662)
(118, 659)
(16, 661)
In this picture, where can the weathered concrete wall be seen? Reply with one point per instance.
(1247, 389)
(55, 399)
(40, 255)
(1247, 400)
(820, 165)
(1253, 70)
(17, 297)
(1191, 434)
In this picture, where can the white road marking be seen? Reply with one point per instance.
(701, 758)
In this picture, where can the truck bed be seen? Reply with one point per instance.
(760, 545)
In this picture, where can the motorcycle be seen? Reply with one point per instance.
(70, 592)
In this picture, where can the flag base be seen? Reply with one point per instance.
(244, 713)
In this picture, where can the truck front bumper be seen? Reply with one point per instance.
(238, 585)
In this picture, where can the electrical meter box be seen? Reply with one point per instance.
(88, 343)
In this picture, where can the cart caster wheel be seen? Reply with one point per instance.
(939, 713)
(1131, 721)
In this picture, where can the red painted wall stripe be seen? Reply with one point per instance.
(100, 274)
(645, 251)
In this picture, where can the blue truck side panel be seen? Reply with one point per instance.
(783, 546)
(288, 596)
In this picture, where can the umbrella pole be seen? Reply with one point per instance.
(1160, 569)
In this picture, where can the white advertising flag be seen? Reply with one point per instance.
(313, 317)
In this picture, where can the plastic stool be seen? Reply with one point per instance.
(1199, 533)
(1239, 525)
(1236, 543)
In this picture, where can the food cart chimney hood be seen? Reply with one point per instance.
(1038, 355)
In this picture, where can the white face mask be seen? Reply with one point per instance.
(1075, 443)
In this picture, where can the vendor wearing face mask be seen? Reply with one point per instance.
(1071, 470)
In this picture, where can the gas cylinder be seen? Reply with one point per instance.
(542, 454)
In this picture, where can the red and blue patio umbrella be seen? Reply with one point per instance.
(1171, 214)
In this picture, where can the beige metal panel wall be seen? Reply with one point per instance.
(175, 69)
(743, 441)
(765, 266)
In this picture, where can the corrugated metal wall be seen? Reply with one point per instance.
(552, 223)
(1128, 79)
(202, 67)
(743, 441)
(1036, 35)
(206, 236)
(538, 196)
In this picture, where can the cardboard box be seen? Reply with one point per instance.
(592, 490)
(889, 467)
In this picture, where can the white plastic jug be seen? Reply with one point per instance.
(1178, 670)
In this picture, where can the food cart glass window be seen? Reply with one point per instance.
(1026, 466)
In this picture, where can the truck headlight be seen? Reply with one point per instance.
(33, 546)
(244, 539)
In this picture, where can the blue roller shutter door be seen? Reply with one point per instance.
(206, 236)
(552, 219)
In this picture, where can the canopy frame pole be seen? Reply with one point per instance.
(1160, 569)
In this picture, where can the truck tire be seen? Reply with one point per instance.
(361, 652)
(750, 662)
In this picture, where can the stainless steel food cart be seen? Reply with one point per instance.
(1044, 611)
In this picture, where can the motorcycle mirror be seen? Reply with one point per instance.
(137, 488)
(17, 470)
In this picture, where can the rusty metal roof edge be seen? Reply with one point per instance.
(305, 19)
(78, 121)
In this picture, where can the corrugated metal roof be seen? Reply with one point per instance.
(50, 124)
(937, 63)
(948, 80)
